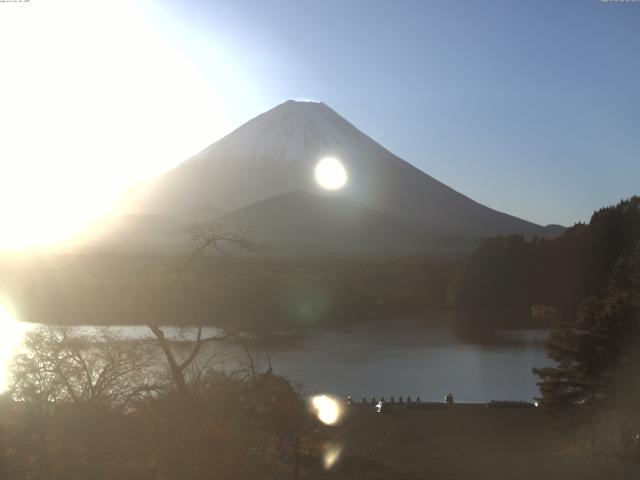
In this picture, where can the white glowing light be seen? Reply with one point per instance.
(12, 333)
(96, 96)
(330, 457)
(330, 173)
(327, 409)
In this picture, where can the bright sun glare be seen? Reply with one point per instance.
(330, 173)
(97, 96)
(13, 333)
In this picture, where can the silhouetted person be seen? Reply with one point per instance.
(449, 399)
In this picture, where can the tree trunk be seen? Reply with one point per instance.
(176, 372)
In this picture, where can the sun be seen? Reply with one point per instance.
(330, 173)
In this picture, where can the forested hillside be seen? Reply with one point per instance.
(510, 281)
(258, 292)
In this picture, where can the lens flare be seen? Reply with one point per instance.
(327, 409)
(330, 173)
(331, 457)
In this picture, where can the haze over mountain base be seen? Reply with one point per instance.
(262, 176)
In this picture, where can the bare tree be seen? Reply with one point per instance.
(203, 237)
(64, 364)
(88, 375)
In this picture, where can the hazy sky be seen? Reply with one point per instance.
(530, 107)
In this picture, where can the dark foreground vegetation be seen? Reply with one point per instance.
(463, 442)
(100, 407)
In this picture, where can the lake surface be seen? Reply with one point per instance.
(383, 361)
(412, 360)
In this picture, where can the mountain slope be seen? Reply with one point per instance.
(300, 223)
(276, 153)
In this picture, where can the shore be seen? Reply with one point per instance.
(465, 441)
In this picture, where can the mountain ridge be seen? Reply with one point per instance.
(276, 152)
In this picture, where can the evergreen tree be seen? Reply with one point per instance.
(596, 354)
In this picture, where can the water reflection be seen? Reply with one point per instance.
(425, 361)
(12, 333)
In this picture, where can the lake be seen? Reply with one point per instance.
(414, 360)
(408, 359)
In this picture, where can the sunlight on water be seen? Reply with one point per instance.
(12, 334)
(327, 409)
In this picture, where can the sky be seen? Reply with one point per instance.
(529, 107)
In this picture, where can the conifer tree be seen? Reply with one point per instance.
(596, 354)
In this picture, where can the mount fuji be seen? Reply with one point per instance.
(254, 168)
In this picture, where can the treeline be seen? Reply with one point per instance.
(513, 282)
(238, 292)
(308, 293)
